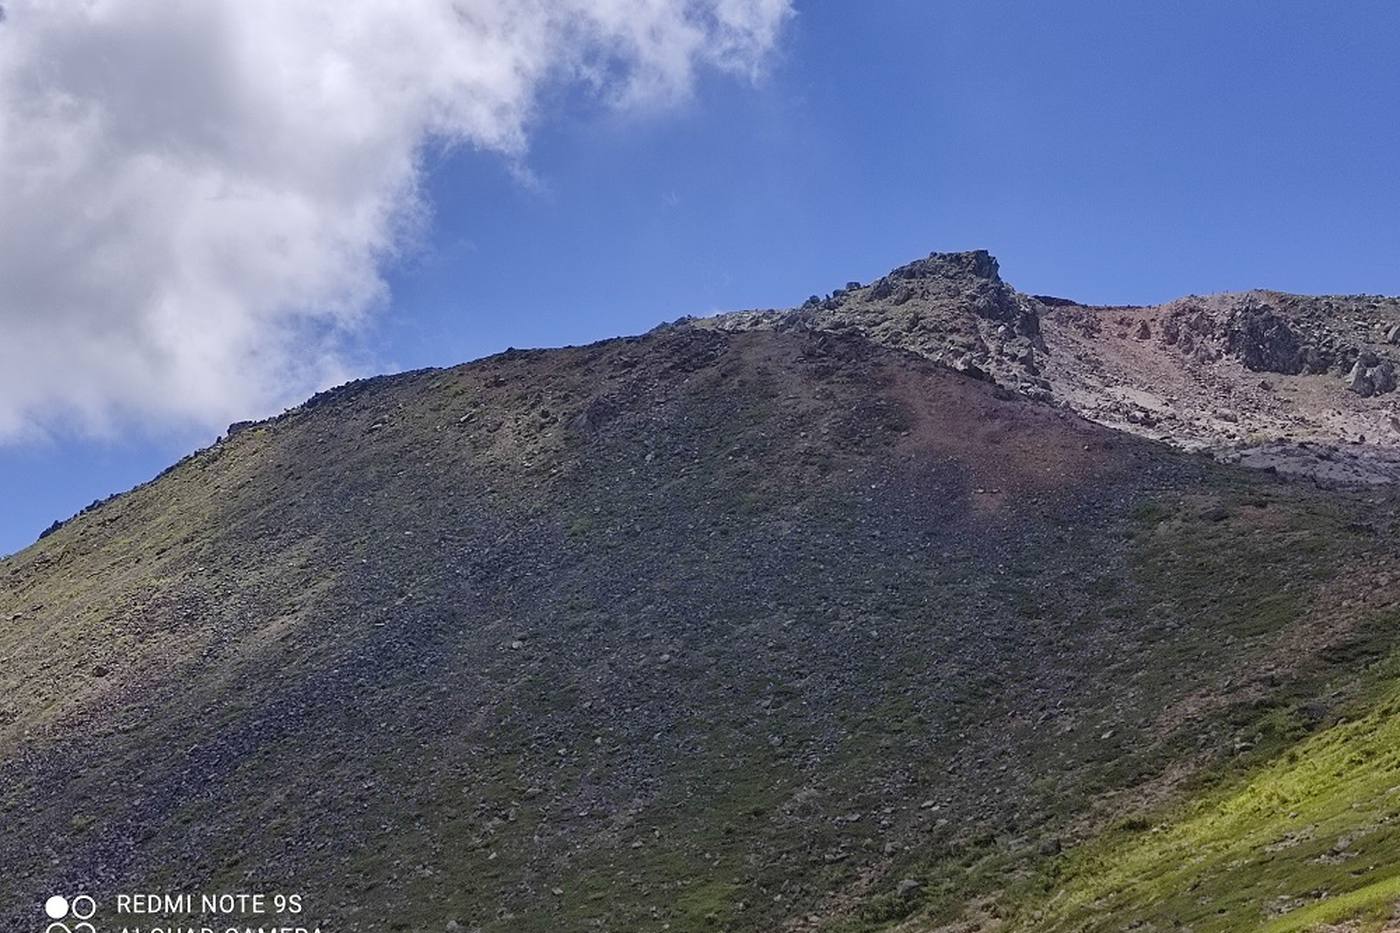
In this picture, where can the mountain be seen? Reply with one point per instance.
(928, 605)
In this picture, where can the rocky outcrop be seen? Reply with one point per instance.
(1254, 333)
(1264, 342)
(1370, 375)
(973, 277)
(950, 307)
(1192, 331)
(1288, 334)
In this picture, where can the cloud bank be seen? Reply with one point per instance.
(197, 197)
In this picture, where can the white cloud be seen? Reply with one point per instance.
(197, 196)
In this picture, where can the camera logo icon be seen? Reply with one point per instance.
(59, 908)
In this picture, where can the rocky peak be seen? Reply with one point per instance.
(971, 279)
(952, 308)
(976, 264)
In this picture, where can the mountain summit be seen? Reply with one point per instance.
(909, 608)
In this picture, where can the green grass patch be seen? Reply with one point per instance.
(1311, 837)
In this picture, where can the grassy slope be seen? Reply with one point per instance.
(1303, 839)
(695, 631)
(1291, 828)
(1305, 612)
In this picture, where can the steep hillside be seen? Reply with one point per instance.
(772, 621)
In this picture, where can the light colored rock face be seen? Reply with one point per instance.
(1302, 385)
(1271, 380)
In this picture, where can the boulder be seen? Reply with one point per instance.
(881, 289)
(1264, 342)
(1383, 378)
(1359, 380)
(1370, 375)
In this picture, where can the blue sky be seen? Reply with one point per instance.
(1106, 151)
